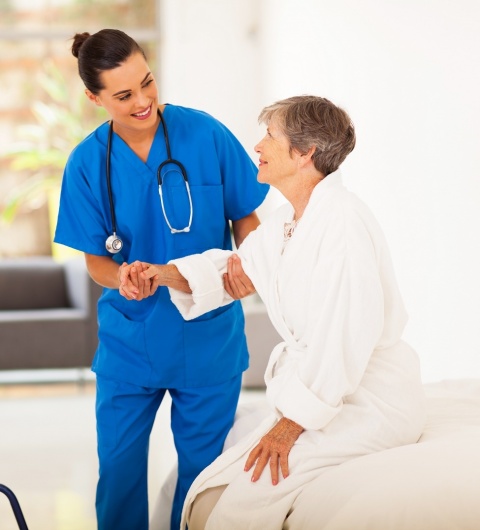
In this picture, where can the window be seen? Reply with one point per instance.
(43, 111)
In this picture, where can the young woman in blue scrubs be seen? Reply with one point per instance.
(145, 347)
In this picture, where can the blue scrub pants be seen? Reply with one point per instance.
(200, 421)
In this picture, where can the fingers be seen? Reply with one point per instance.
(154, 284)
(136, 281)
(123, 274)
(126, 293)
(127, 289)
(146, 282)
(133, 283)
(261, 456)
(261, 464)
(151, 281)
(274, 468)
(236, 282)
(149, 271)
(228, 287)
(284, 465)
(150, 277)
(142, 286)
(252, 457)
(134, 274)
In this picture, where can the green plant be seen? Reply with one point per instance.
(42, 149)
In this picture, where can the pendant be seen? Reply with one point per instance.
(288, 229)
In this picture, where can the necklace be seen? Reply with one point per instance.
(289, 228)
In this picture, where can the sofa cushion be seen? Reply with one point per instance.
(32, 283)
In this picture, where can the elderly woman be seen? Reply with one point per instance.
(342, 383)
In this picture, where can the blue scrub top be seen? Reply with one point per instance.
(148, 343)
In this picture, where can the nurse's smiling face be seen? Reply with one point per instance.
(130, 94)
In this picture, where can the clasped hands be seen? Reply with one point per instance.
(134, 285)
(139, 280)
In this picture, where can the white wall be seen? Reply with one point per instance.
(210, 60)
(407, 72)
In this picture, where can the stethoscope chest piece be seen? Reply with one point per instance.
(114, 244)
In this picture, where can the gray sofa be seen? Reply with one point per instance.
(48, 314)
(262, 337)
(48, 318)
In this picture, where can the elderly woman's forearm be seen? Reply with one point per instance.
(169, 276)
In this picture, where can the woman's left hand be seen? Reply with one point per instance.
(237, 284)
(274, 447)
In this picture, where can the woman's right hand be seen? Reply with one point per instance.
(273, 450)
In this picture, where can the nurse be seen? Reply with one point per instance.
(111, 209)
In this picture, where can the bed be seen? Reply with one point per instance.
(431, 485)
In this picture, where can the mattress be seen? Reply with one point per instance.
(431, 485)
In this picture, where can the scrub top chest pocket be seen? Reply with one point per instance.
(208, 221)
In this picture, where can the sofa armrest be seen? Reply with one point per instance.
(77, 278)
(262, 337)
(83, 293)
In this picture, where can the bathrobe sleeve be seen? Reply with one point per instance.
(204, 272)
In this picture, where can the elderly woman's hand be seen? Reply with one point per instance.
(274, 447)
(235, 281)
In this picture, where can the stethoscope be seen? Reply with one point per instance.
(114, 243)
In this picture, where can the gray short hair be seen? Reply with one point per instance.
(314, 121)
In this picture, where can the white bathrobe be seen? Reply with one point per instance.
(342, 371)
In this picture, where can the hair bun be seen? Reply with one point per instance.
(78, 40)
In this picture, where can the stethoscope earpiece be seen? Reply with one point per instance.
(113, 243)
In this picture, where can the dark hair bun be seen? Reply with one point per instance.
(104, 50)
(78, 40)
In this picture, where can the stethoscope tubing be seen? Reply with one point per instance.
(114, 244)
(109, 180)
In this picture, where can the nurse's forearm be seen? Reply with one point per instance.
(103, 270)
(242, 227)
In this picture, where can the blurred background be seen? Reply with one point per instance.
(406, 71)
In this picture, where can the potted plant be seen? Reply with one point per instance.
(42, 149)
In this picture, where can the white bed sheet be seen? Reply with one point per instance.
(431, 485)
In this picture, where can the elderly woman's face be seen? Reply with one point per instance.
(276, 161)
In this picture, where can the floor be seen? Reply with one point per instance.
(48, 453)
